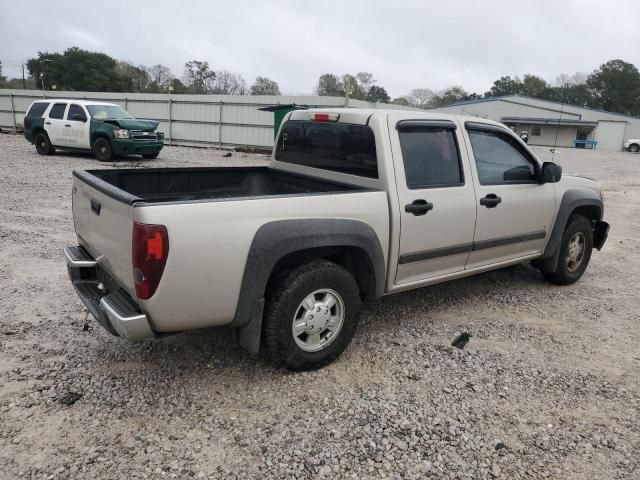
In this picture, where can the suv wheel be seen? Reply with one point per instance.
(634, 147)
(102, 149)
(43, 145)
(311, 314)
(575, 252)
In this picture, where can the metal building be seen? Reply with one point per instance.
(549, 123)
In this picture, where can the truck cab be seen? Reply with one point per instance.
(105, 129)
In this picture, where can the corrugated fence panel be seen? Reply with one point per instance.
(186, 119)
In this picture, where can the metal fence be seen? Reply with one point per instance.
(207, 120)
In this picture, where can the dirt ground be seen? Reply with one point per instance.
(547, 387)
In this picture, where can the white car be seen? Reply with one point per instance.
(632, 145)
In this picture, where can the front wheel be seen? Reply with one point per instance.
(102, 150)
(575, 252)
(311, 314)
(634, 147)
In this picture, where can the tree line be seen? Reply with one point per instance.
(81, 70)
(613, 86)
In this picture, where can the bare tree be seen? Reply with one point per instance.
(159, 76)
(420, 97)
(228, 83)
(265, 86)
(198, 76)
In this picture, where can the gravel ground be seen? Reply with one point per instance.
(547, 386)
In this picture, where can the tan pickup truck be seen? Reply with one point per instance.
(355, 204)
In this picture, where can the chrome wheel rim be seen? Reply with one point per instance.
(318, 320)
(575, 251)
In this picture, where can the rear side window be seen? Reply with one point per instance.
(76, 110)
(430, 156)
(57, 111)
(37, 109)
(338, 147)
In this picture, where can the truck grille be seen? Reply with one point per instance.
(140, 135)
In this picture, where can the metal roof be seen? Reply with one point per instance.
(548, 121)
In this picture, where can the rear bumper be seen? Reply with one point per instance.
(111, 305)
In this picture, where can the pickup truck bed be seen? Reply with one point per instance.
(185, 184)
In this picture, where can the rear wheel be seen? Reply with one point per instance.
(575, 252)
(634, 147)
(43, 144)
(102, 150)
(311, 314)
(151, 156)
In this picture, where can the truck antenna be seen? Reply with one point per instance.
(564, 98)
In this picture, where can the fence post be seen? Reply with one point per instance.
(126, 103)
(220, 126)
(13, 114)
(170, 124)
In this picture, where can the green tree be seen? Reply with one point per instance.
(450, 96)
(198, 76)
(505, 86)
(615, 87)
(401, 101)
(329, 85)
(78, 69)
(534, 86)
(2, 78)
(138, 77)
(265, 86)
(377, 94)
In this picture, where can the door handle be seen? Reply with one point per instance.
(67, 125)
(47, 123)
(418, 207)
(491, 200)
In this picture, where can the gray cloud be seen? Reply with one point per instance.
(405, 44)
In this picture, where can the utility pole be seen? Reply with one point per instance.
(23, 83)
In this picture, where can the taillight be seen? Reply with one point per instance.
(325, 117)
(150, 248)
(25, 122)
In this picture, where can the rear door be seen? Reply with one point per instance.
(76, 127)
(515, 210)
(54, 124)
(436, 195)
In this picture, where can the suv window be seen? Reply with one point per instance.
(500, 159)
(430, 156)
(338, 147)
(57, 111)
(75, 110)
(37, 109)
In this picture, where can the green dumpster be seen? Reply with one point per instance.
(279, 111)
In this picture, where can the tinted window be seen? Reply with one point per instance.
(37, 109)
(75, 110)
(338, 147)
(57, 111)
(500, 159)
(430, 157)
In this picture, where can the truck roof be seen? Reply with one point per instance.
(362, 115)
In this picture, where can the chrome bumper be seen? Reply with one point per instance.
(111, 305)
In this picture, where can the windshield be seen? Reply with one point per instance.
(338, 147)
(102, 112)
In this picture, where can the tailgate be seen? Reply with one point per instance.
(103, 219)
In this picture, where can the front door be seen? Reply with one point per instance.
(515, 210)
(54, 124)
(436, 196)
(76, 127)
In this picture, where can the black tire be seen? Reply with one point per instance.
(283, 302)
(569, 269)
(43, 144)
(151, 156)
(102, 149)
(634, 147)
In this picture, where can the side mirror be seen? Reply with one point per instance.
(78, 117)
(551, 172)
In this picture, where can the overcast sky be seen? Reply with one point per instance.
(405, 44)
